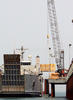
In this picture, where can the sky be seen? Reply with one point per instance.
(24, 22)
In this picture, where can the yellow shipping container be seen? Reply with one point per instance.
(47, 67)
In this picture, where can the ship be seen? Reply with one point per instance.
(20, 77)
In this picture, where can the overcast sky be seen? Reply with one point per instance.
(25, 22)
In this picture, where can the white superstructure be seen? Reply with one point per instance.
(25, 66)
(28, 68)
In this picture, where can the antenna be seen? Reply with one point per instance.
(14, 45)
(22, 51)
(14, 51)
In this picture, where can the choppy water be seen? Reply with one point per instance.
(59, 96)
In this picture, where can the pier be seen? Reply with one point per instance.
(68, 80)
(54, 82)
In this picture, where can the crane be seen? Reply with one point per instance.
(59, 54)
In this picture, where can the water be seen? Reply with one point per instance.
(37, 98)
(59, 96)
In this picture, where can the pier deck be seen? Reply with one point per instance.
(68, 80)
(61, 80)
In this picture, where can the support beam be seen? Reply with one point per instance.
(46, 87)
(52, 90)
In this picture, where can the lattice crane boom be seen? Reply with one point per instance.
(54, 32)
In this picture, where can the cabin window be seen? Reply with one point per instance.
(14, 71)
(17, 82)
(18, 66)
(14, 66)
(11, 66)
(6, 77)
(9, 82)
(9, 77)
(17, 71)
(21, 82)
(3, 82)
(17, 77)
(12, 77)
(6, 71)
(6, 82)
(3, 77)
(9, 71)
(6, 67)
(26, 63)
(12, 82)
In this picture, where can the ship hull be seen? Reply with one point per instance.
(29, 89)
(22, 95)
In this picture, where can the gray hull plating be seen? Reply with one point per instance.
(29, 79)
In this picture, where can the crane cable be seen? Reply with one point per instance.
(47, 45)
